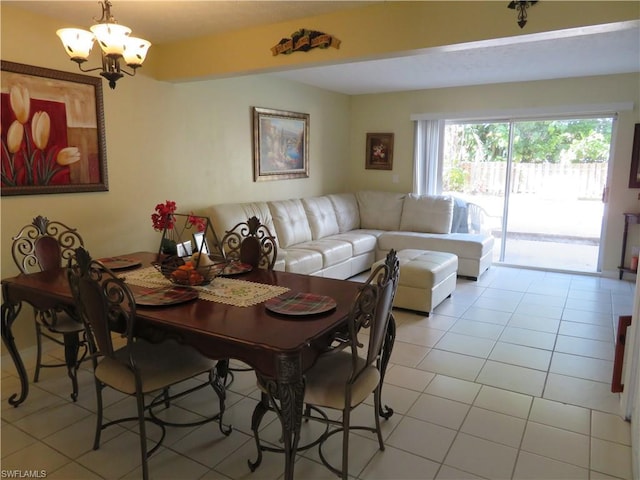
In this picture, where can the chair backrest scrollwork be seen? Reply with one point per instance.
(251, 242)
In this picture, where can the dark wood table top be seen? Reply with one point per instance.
(251, 334)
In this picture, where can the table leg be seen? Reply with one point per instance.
(287, 395)
(387, 348)
(9, 314)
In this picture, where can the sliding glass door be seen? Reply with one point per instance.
(535, 185)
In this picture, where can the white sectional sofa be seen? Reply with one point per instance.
(341, 235)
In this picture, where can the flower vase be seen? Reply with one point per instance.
(168, 246)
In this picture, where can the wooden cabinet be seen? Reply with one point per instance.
(629, 219)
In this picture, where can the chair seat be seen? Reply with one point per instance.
(64, 324)
(160, 365)
(325, 381)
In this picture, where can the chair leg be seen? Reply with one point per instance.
(143, 435)
(377, 401)
(346, 417)
(99, 388)
(217, 379)
(71, 349)
(36, 375)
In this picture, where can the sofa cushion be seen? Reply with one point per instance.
(290, 221)
(227, 215)
(380, 210)
(427, 214)
(301, 261)
(360, 242)
(332, 251)
(347, 212)
(321, 216)
(464, 245)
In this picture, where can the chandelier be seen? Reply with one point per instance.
(521, 6)
(114, 40)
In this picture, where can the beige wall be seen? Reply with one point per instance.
(391, 113)
(189, 142)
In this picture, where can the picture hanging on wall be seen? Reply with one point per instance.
(280, 144)
(379, 151)
(53, 137)
(634, 176)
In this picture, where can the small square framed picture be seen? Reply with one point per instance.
(379, 151)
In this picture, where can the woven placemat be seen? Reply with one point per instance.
(229, 291)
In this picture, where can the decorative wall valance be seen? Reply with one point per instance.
(304, 40)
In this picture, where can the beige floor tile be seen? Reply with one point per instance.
(561, 415)
(409, 378)
(408, 354)
(581, 367)
(487, 315)
(168, 465)
(611, 458)
(610, 427)
(208, 446)
(438, 321)
(452, 364)
(585, 347)
(422, 438)
(418, 335)
(504, 401)
(14, 439)
(562, 445)
(528, 338)
(489, 331)
(539, 299)
(453, 389)
(593, 318)
(73, 471)
(124, 447)
(521, 356)
(440, 411)
(585, 393)
(493, 426)
(395, 464)
(512, 377)
(36, 457)
(465, 345)
(481, 457)
(235, 466)
(535, 467)
(534, 322)
(450, 473)
(59, 416)
(546, 311)
(499, 304)
(361, 451)
(398, 398)
(585, 330)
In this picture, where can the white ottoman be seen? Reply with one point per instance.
(426, 279)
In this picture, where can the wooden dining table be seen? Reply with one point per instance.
(280, 348)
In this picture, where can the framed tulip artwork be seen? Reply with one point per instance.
(52, 131)
(280, 144)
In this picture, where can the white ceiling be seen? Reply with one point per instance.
(598, 50)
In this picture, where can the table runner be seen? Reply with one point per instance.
(229, 291)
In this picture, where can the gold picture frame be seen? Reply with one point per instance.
(280, 144)
(53, 135)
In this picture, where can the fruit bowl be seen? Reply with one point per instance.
(186, 272)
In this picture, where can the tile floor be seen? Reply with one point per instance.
(508, 379)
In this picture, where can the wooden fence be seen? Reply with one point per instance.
(584, 181)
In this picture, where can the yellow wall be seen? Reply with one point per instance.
(391, 113)
(191, 141)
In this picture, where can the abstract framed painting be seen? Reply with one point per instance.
(280, 144)
(53, 136)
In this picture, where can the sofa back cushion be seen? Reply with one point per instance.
(346, 209)
(225, 216)
(380, 210)
(321, 216)
(290, 221)
(427, 214)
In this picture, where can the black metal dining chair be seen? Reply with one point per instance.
(252, 243)
(138, 368)
(39, 246)
(345, 376)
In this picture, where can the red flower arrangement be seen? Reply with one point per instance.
(164, 218)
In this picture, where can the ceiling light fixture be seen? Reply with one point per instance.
(521, 6)
(115, 42)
